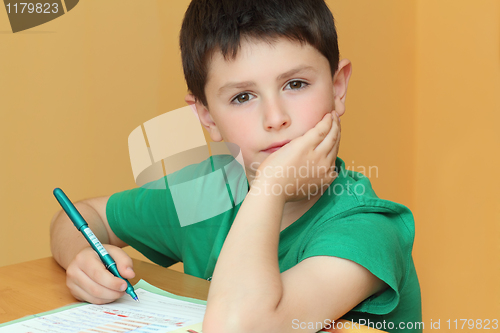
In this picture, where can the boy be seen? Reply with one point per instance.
(266, 76)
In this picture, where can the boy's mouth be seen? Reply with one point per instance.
(275, 146)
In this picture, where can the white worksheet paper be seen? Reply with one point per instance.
(154, 313)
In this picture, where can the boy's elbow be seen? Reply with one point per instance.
(228, 324)
(220, 322)
(243, 321)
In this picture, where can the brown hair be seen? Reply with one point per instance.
(218, 25)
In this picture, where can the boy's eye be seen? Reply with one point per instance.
(295, 85)
(245, 97)
(242, 98)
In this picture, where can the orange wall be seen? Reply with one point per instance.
(71, 92)
(377, 128)
(420, 109)
(457, 145)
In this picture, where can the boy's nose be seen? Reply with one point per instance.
(275, 117)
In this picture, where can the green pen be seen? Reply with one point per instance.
(82, 226)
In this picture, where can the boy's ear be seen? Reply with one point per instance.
(340, 83)
(205, 117)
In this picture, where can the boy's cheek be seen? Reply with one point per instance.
(312, 112)
(312, 120)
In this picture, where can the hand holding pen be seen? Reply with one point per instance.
(88, 285)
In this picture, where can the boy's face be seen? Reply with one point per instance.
(268, 94)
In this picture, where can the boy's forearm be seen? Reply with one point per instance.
(66, 241)
(247, 277)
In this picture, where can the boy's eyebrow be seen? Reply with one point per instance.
(246, 84)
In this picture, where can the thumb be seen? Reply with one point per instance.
(123, 261)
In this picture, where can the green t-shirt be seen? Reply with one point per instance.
(349, 221)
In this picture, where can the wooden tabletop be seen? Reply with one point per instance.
(40, 285)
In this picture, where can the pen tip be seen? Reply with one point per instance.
(136, 299)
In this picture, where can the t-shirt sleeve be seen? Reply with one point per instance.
(381, 243)
(145, 219)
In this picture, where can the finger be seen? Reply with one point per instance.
(90, 289)
(335, 149)
(91, 265)
(315, 135)
(123, 261)
(325, 146)
(82, 295)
